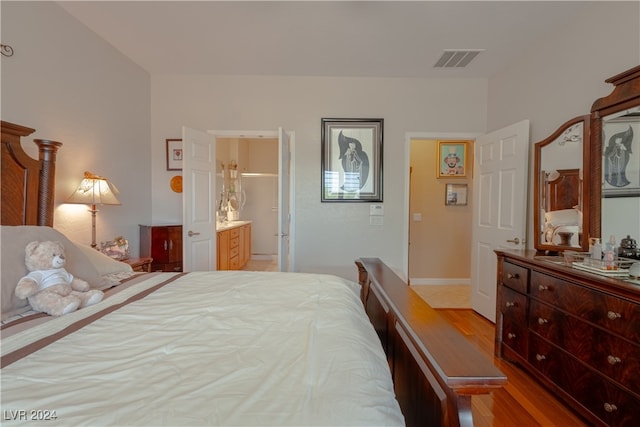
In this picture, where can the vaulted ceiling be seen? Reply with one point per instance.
(322, 38)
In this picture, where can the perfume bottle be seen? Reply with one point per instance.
(611, 254)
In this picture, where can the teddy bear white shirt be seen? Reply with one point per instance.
(46, 278)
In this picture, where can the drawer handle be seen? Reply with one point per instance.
(610, 407)
(613, 315)
(513, 276)
(543, 288)
(542, 321)
(613, 360)
(510, 304)
(511, 335)
(540, 357)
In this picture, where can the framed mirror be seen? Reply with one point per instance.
(615, 159)
(561, 218)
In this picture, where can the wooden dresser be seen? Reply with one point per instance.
(163, 243)
(577, 332)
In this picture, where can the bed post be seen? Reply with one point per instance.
(46, 190)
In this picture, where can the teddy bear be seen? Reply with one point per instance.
(49, 287)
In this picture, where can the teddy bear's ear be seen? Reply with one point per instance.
(31, 247)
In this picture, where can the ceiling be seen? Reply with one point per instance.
(322, 38)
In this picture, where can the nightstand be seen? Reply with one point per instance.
(139, 264)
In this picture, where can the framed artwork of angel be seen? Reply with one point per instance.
(351, 161)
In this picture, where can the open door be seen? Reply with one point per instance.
(284, 213)
(198, 201)
(500, 201)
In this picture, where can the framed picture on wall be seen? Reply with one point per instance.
(456, 195)
(174, 154)
(351, 161)
(452, 159)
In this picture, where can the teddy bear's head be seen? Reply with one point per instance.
(45, 255)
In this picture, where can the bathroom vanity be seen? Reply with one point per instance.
(234, 244)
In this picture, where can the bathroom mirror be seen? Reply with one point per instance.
(562, 215)
(615, 159)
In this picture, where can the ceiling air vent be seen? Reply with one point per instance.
(457, 58)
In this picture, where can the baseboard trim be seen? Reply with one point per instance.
(424, 281)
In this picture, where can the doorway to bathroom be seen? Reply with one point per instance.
(255, 158)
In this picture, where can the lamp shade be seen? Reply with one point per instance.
(95, 190)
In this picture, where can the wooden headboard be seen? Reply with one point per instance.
(27, 184)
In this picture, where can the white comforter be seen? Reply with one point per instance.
(222, 348)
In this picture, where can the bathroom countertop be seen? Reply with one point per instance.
(221, 226)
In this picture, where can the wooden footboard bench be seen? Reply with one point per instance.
(435, 369)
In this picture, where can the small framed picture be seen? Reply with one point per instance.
(351, 161)
(174, 154)
(456, 195)
(452, 159)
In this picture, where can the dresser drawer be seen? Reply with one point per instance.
(601, 397)
(545, 358)
(612, 356)
(515, 277)
(234, 242)
(513, 306)
(612, 313)
(234, 232)
(547, 322)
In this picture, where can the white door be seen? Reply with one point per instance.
(284, 218)
(198, 201)
(500, 201)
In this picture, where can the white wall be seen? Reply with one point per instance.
(73, 87)
(561, 76)
(328, 236)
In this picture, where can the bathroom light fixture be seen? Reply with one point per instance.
(94, 190)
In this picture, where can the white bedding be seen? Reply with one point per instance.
(221, 348)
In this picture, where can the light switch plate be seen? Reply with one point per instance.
(376, 209)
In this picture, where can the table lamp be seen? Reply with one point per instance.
(94, 190)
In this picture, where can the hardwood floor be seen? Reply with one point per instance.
(523, 402)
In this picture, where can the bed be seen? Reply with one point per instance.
(203, 348)
(221, 348)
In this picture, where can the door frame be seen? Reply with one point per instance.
(407, 175)
(273, 134)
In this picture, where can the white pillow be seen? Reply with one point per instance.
(562, 217)
(103, 263)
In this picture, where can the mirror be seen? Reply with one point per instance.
(561, 218)
(620, 203)
(615, 154)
